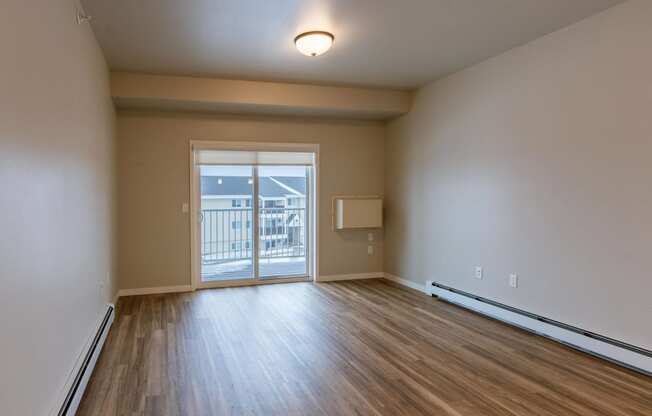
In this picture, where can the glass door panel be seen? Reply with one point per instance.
(283, 221)
(226, 223)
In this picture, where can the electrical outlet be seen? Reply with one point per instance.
(478, 272)
(184, 208)
(370, 237)
(513, 280)
(370, 250)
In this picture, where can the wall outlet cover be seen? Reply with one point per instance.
(513, 280)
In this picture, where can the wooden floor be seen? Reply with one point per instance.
(347, 348)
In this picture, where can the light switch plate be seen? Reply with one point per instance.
(478, 272)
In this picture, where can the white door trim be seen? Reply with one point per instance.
(254, 146)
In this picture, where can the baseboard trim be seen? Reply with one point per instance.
(188, 288)
(617, 352)
(407, 283)
(154, 290)
(73, 389)
(355, 276)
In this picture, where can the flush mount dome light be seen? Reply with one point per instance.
(314, 43)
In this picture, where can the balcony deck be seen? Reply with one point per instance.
(243, 269)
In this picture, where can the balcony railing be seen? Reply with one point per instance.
(227, 234)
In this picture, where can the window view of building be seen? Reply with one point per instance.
(227, 222)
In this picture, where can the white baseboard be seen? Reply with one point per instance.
(154, 290)
(356, 276)
(188, 288)
(73, 389)
(407, 283)
(591, 345)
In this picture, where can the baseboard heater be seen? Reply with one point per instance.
(621, 353)
(85, 366)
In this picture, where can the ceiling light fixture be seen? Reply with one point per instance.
(314, 43)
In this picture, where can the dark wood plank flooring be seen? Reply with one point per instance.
(346, 348)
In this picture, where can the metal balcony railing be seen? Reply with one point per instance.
(227, 234)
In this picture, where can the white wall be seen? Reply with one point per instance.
(56, 198)
(539, 162)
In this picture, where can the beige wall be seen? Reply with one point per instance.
(56, 176)
(537, 162)
(213, 95)
(153, 183)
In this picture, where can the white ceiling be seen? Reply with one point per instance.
(385, 43)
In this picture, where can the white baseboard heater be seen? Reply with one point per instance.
(84, 368)
(619, 352)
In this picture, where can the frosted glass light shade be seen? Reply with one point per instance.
(314, 43)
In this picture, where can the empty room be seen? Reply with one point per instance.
(326, 207)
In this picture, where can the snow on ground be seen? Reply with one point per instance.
(242, 269)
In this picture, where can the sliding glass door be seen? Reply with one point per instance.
(253, 220)
(226, 222)
(283, 221)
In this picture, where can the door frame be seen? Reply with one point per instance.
(195, 205)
